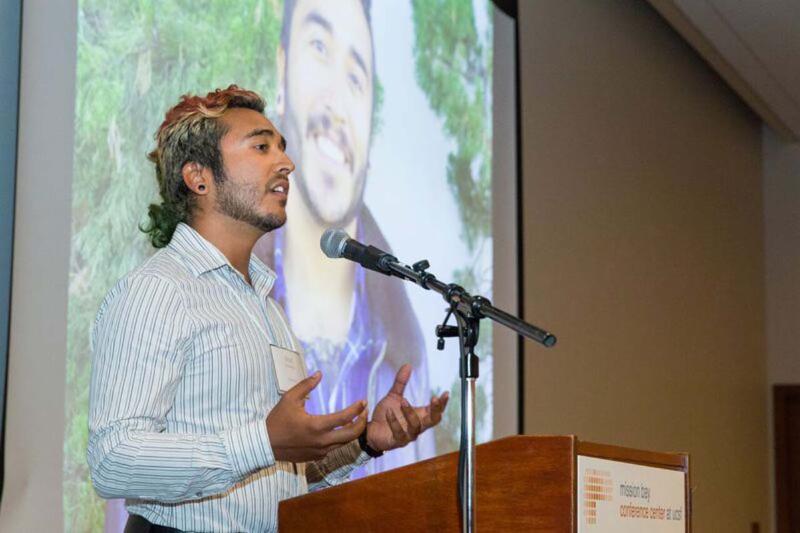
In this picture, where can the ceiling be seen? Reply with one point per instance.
(754, 45)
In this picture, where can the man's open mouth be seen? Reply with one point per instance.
(281, 187)
(333, 149)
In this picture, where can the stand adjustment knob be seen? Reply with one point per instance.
(421, 266)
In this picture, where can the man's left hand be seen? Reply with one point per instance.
(395, 422)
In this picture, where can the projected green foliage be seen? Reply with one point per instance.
(454, 69)
(134, 58)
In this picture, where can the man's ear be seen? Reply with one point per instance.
(195, 177)
(280, 98)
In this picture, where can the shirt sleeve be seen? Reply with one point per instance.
(336, 467)
(140, 343)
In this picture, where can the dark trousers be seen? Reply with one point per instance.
(139, 524)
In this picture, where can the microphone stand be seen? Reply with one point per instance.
(469, 311)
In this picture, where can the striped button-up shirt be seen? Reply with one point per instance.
(182, 382)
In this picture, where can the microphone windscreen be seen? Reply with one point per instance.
(332, 242)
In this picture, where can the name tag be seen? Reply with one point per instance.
(289, 367)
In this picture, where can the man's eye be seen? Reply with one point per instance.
(319, 47)
(262, 147)
(355, 82)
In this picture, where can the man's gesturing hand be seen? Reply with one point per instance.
(299, 437)
(395, 423)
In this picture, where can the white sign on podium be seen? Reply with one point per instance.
(619, 497)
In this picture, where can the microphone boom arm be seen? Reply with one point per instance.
(464, 303)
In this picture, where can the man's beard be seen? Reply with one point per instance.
(241, 202)
(294, 141)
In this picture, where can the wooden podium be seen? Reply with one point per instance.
(523, 484)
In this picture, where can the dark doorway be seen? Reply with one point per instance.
(786, 402)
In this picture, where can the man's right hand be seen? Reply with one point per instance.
(299, 437)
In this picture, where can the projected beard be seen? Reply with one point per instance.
(241, 202)
(332, 201)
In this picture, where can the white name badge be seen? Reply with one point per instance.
(289, 367)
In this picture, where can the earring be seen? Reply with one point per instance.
(201, 187)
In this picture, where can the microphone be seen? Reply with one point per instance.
(336, 243)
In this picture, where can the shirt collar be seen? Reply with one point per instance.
(200, 256)
(262, 276)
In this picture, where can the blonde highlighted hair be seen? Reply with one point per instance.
(190, 133)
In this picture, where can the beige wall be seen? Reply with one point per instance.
(643, 244)
(782, 242)
(782, 252)
(32, 495)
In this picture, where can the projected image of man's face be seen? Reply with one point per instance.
(328, 105)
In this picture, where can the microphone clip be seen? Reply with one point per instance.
(443, 330)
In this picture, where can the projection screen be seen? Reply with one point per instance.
(440, 184)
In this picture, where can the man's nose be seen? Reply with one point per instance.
(286, 165)
(334, 101)
(334, 115)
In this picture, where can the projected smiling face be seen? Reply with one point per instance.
(328, 105)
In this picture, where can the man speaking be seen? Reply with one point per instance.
(197, 413)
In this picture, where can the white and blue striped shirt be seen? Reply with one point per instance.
(182, 382)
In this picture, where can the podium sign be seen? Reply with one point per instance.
(620, 497)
